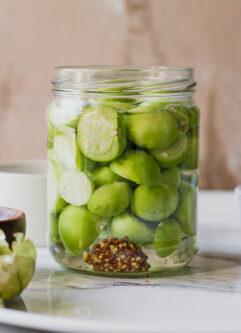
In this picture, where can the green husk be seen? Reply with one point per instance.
(16, 266)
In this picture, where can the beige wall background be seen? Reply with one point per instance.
(36, 35)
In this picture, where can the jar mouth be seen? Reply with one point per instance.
(127, 68)
(123, 80)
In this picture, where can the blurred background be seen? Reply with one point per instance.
(37, 35)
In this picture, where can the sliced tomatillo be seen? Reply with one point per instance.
(167, 237)
(154, 203)
(153, 130)
(127, 225)
(101, 133)
(104, 175)
(66, 149)
(190, 161)
(194, 116)
(65, 115)
(180, 112)
(55, 202)
(122, 104)
(151, 106)
(75, 187)
(186, 209)
(173, 154)
(50, 135)
(171, 176)
(53, 229)
(137, 166)
(110, 200)
(78, 228)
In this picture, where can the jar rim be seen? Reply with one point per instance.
(122, 68)
(95, 79)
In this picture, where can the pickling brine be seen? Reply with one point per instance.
(123, 169)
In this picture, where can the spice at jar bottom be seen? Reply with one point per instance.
(117, 255)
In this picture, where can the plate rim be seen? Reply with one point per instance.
(66, 325)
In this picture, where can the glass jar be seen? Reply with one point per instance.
(123, 169)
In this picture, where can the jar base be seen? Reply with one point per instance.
(175, 264)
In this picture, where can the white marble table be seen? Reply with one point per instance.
(204, 298)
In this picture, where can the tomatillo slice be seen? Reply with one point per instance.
(101, 133)
(78, 229)
(171, 176)
(151, 106)
(180, 112)
(87, 164)
(167, 237)
(115, 86)
(55, 202)
(173, 154)
(128, 225)
(154, 104)
(50, 135)
(155, 203)
(110, 200)
(137, 166)
(75, 187)
(52, 156)
(186, 209)
(116, 99)
(53, 229)
(190, 161)
(194, 116)
(104, 175)
(152, 130)
(66, 149)
(122, 104)
(64, 115)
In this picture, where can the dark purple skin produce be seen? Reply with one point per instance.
(12, 221)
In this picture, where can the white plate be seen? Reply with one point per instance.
(205, 299)
(53, 324)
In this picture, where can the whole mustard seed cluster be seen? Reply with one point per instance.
(117, 255)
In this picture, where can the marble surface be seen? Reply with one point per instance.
(206, 297)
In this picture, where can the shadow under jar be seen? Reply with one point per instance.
(123, 169)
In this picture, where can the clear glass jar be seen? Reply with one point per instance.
(123, 169)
